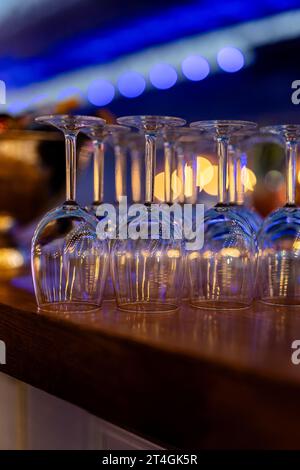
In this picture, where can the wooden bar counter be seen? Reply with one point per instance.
(191, 379)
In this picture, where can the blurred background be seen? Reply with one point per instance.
(194, 59)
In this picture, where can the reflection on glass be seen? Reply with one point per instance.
(222, 271)
(147, 270)
(238, 175)
(136, 149)
(279, 240)
(69, 262)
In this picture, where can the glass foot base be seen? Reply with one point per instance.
(282, 301)
(69, 307)
(219, 304)
(148, 307)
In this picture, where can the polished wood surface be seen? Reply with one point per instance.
(195, 379)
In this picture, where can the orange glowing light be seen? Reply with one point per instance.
(159, 186)
(249, 179)
(211, 188)
(205, 172)
(188, 181)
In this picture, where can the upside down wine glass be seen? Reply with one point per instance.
(69, 263)
(222, 270)
(180, 160)
(147, 266)
(97, 131)
(237, 163)
(279, 240)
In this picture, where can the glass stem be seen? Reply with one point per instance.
(98, 171)
(180, 175)
(222, 148)
(120, 172)
(232, 175)
(291, 152)
(150, 150)
(190, 178)
(136, 175)
(169, 157)
(70, 140)
(240, 168)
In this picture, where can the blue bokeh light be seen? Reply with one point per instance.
(100, 92)
(195, 67)
(135, 34)
(230, 59)
(131, 84)
(163, 76)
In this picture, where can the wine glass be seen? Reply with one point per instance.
(97, 131)
(69, 262)
(279, 239)
(147, 268)
(222, 271)
(237, 163)
(180, 149)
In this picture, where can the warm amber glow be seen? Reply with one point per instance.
(6, 222)
(206, 179)
(136, 180)
(10, 258)
(207, 254)
(159, 186)
(232, 252)
(63, 107)
(205, 172)
(249, 179)
(172, 253)
(193, 255)
(176, 185)
(211, 188)
(298, 177)
(188, 181)
(146, 253)
(296, 245)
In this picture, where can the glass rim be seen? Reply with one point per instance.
(101, 133)
(282, 130)
(116, 128)
(208, 125)
(185, 130)
(81, 119)
(154, 122)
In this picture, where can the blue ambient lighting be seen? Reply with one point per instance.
(230, 59)
(132, 35)
(195, 67)
(131, 84)
(70, 92)
(100, 92)
(163, 76)
(17, 107)
(38, 99)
